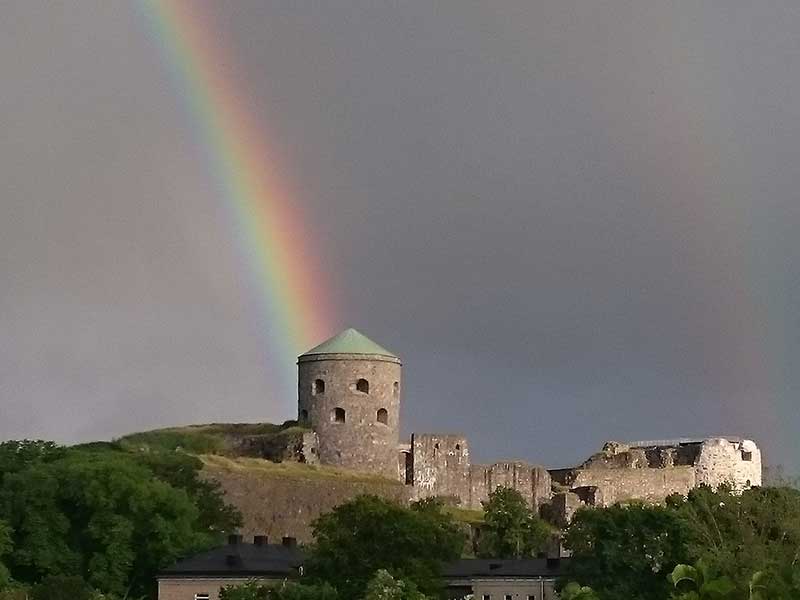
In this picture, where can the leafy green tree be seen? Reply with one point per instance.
(385, 587)
(62, 587)
(627, 551)
(5, 549)
(576, 591)
(18, 455)
(183, 472)
(736, 535)
(254, 590)
(699, 583)
(102, 515)
(512, 529)
(364, 535)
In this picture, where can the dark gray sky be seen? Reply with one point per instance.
(575, 221)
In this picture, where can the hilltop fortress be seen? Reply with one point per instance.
(349, 394)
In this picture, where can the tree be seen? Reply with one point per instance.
(364, 535)
(385, 587)
(512, 529)
(254, 590)
(627, 551)
(62, 587)
(99, 514)
(737, 535)
(5, 548)
(699, 583)
(576, 591)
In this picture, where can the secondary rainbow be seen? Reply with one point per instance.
(270, 227)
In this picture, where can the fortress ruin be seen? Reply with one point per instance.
(349, 393)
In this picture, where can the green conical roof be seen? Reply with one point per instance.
(349, 341)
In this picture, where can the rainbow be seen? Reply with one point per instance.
(270, 228)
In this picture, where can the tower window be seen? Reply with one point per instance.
(458, 447)
(747, 456)
(319, 387)
(338, 415)
(304, 416)
(362, 385)
(396, 388)
(383, 416)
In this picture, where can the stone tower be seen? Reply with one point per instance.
(349, 394)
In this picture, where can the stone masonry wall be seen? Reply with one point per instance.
(532, 481)
(737, 463)
(360, 442)
(441, 466)
(640, 483)
(282, 506)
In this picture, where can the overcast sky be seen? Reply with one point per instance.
(574, 221)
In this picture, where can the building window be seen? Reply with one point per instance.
(487, 597)
(338, 415)
(303, 416)
(509, 597)
(319, 387)
(362, 385)
(747, 456)
(382, 416)
(396, 388)
(458, 447)
(202, 596)
(531, 597)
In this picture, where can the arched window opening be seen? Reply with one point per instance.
(435, 449)
(362, 385)
(319, 387)
(303, 416)
(458, 447)
(396, 388)
(338, 415)
(383, 416)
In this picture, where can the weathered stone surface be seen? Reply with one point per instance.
(351, 432)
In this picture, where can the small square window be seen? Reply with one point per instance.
(487, 597)
(747, 456)
(509, 597)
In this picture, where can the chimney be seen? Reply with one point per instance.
(260, 540)
(234, 539)
(289, 542)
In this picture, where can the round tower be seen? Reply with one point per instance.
(349, 394)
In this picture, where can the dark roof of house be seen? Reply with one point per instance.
(468, 568)
(241, 559)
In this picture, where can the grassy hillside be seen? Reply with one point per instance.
(263, 469)
(213, 438)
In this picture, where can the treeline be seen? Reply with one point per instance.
(709, 545)
(97, 520)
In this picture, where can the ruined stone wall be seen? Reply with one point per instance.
(531, 481)
(737, 463)
(639, 483)
(360, 440)
(441, 466)
(651, 472)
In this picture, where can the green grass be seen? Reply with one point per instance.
(465, 515)
(211, 438)
(287, 470)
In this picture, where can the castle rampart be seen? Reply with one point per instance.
(349, 394)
